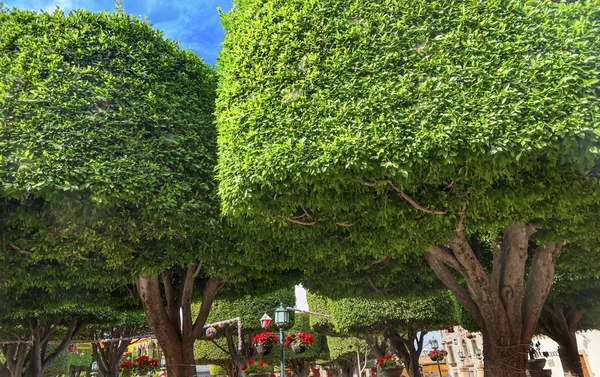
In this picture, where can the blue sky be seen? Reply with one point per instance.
(194, 23)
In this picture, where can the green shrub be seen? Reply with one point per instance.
(494, 104)
(104, 126)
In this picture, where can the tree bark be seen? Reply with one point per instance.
(16, 356)
(108, 355)
(301, 367)
(560, 324)
(410, 347)
(41, 333)
(238, 359)
(505, 306)
(173, 326)
(378, 349)
(347, 368)
(4, 372)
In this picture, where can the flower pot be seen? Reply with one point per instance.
(298, 348)
(395, 371)
(536, 364)
(437, 358)
(263, 349)
(259, 374)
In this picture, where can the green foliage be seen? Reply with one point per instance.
(319, 304)
(62, 363)
(216, 370)
(318, 350)
(456, 104)
(67, 361)
(341, 348)
(359, 315)
(80, 362)
(107, 142)
(250, 309)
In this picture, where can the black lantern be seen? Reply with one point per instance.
(434, 344)
(282, 317)
(461, 355)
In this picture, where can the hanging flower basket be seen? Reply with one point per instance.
(391, 365)
(438, 355)
(257, 368)
(299, 342)
(263, 350)
(264, 342)
(260, 374)
(395, 371)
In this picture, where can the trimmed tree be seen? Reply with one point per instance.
(403, 322)
(107, 152)
(119, 323)
(224, 349)
(421, 128)
(573, 305)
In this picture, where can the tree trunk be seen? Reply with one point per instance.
(505, 306)
(15, 355)
(173, 326)
(239, 359)
(377, 348)
(410, 347)
(347, 368)
(559, 323)
(299, 366)
(4, 372)
(108, 355)
(232, 369)
(41, 333)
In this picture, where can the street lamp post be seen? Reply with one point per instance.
(435, 346)
(282, 319)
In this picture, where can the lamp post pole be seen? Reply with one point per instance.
(281, 352)
(282, 319)
(435, 346)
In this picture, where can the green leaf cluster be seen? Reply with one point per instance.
(107, 139)
(490, 107)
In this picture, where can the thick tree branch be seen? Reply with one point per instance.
(538, 285)
(20, 250)
(172, 307)
(406, 197)
(445, 255)
(158, 320)
(377, 290)
(461, 294)
(514, 251)
(376, 261)
(73, 329)
(213, 286)
(487, 299)
(299, 222)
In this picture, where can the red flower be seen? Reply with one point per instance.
(261, 363)
(244, 367)
(301, 338)
(265, 338)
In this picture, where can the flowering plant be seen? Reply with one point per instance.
(140, 366)
(390, 361)
(300, 339)
(125, 368)
(256, 366)
(438, 355)
(264, 338)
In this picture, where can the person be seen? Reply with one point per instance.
(163, 372)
